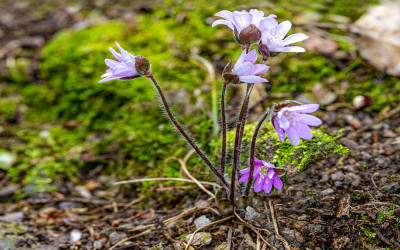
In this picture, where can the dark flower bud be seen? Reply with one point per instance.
(248, 35)
(231, 78)
(142, 65)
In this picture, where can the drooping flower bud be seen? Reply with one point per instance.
(142, 65)
(291, 118)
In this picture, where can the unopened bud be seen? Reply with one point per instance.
(264, 51)
(249, 35)
(142, 65)
(231, 78)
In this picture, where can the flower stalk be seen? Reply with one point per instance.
(238, 139)
(224, 128)
(183, 133)
(252, 149)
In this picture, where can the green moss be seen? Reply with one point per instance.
(284, 154)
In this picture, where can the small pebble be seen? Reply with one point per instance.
(327, 191)
(201, 221)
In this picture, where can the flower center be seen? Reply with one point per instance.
(292, 117)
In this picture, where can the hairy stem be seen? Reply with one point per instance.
(252, 149)
(238, 139)
(184, 134)
(224, 129)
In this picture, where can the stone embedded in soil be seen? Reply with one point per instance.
(308, 202)
(7, 244)
(65, 205)
(327, 191)
(290, 236)
(337, 176)
(352, 179)
(383, 161)
(201, 238)
(251, 214)
(12, 217)
(302, 217)
(8, 191)
(393, 188)
(201, 221)
(98, 244)
(115, 237)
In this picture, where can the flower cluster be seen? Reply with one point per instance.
(289, 118)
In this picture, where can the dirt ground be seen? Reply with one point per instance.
(343, 202)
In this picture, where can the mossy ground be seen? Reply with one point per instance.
(67, 123)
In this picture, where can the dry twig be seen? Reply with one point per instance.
(278, 236)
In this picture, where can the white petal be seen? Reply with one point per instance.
(224, 22)
(241, 20)
(240, 60)
(225, 14)
(283, 122)
(282, 29)
(252, 79)
(245, 68)
(298, 37)
(257, 16)
(267, 23)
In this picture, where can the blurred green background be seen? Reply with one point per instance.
(57, 123)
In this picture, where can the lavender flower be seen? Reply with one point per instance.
(294, 122)
(247, 26)
(272, 40)
(127, 67)
(265, 175)
(245, 70)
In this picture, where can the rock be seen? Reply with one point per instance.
(355, 123)
(8, 191)
(201, 238)
(383, 161)
(98, 244)
(251, 214)
(337, 176)
(115, 237)
(7, 244)
(249, 241)
(201, 221)
(393, 188)
(327, 191)
(353, 179)
(360, 102)
(290, 236)
(313, 228)
(379, 42)
(12, 217)
(351, 144)
(308, 202)
(338, 184)
(82, 190)
(302, 217)
(66, 205)
(6, 160)
(75, 235)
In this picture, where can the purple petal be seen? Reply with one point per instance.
(278, 129)
(268, 186)
(224, 22)
(115, 54)
(257, 162)
(124, 71)
(303, 130)
(252, 79)
(240, 60)
(245, 68)
(259, 183)
(296, 49)
(126, 57)
(282, 29)
(260, 68)
(242, 19)
(283, 122)
(305, 108)
(277, 182)
(108, 79)
(267, 23)
(111, 63)
(298, 37)
(309, 119)
(244, 171)
(251, 56)
(293, 136)
(271, 173)
(244, 178)
(225, 14)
